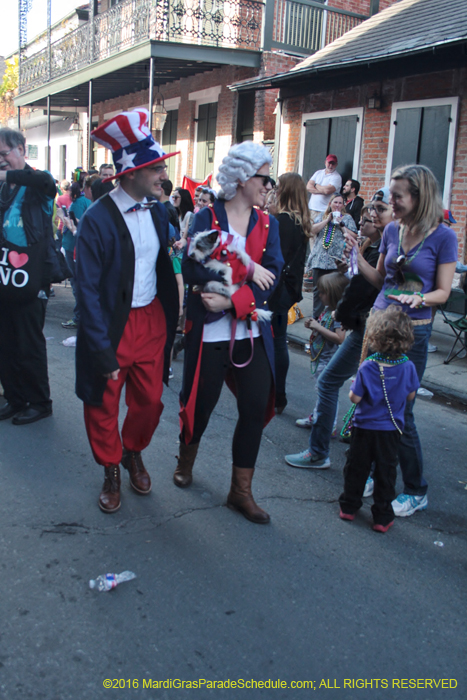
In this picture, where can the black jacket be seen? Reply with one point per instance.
(354, 208)
(293, 248)
(359, 296)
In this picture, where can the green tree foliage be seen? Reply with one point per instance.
(8, 90)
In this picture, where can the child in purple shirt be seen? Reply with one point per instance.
(381, 388)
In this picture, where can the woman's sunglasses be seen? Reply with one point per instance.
(266, 179)
(400, 262)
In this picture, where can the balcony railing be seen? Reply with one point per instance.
(297, 26)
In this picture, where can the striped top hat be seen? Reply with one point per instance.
(128, 137)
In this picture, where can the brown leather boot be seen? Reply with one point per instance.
(183, 473)
(140, 481)
(240, 497)
(109, 499)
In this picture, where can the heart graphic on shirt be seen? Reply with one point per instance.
(18, 259)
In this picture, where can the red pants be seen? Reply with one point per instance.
(140, 355)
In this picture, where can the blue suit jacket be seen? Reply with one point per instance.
(105, 266)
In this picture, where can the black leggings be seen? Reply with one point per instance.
(253, 385)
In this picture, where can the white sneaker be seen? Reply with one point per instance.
(432, 348)
(369, 487)
(405, 505)
(304, 422)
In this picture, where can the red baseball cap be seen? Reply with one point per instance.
(331, 156)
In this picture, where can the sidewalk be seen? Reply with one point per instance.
(446, 380)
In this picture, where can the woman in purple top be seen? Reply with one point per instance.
(418, 256)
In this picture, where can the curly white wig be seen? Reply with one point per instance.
(242, 162)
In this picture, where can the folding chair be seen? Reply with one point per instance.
(457, 322)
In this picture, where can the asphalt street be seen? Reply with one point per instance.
(307, 598)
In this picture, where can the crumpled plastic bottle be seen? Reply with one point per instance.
(105, 582)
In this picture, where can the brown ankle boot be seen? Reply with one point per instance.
(183, 473)
(140, 481)
(109, 499)
(240, 497)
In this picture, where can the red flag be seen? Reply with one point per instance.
(190, 184)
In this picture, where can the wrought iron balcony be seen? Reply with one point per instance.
(298, 26)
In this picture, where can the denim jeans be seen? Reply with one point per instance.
(340, 368)
(342, 365)
(410, 450)
(72, 266)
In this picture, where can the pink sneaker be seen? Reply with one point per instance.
(346, 516)
(382, 528)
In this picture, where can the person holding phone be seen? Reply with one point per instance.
(329, 244)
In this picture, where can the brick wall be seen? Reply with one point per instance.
(376, 126)
(264, 124)
(361, 7)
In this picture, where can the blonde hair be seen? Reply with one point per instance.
(333, 286)
(328, 210)
(390, 331)
(424, 189)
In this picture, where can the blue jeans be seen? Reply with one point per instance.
(340, 368)
(342, 365)
(410, 450)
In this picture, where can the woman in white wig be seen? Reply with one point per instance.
(225, 339)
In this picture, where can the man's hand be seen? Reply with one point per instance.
(112, 375)
(263, 277)
(215, 302)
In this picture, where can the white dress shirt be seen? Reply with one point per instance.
(146, 242)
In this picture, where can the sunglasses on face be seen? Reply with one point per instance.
(366, 221)
(332, 162)
(267, 179)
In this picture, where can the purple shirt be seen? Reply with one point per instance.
(372, 412)
(440, 247)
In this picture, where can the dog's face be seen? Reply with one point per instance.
(203, 244)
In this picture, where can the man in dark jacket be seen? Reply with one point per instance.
(27, 266)
(128, 303)
(353, 203)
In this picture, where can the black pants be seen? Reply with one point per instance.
(23, 354)
(367, 446)
(253, 385)
(281, 352)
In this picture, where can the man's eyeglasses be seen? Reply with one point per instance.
(332, 162)
(267, 179)
(4, 154)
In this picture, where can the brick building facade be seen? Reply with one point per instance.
(396, 106)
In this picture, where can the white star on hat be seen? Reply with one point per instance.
(127, 160)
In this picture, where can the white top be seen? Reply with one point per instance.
(147, 245)
(222, 329)
(319, 202)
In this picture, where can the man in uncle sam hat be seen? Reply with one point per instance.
(128, 301)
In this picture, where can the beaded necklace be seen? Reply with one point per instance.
(329, 236)
(378, 357)
(325, 320)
